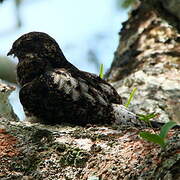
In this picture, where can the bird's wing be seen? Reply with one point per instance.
(80, 86)
(105, 88)
(60, 96)
(51, 93)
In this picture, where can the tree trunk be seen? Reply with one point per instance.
(147, 58)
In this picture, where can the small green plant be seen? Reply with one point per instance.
(130, 97)
(155, 138)
(158, 138)
(101, 72)
(146, 118)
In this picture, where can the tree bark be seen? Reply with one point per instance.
(147, 58)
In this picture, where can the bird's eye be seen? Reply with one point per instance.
(28, 42)
(29, 45)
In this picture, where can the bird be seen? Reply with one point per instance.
(55, 91)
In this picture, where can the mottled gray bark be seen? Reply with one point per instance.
(148, 57)
(6, 110)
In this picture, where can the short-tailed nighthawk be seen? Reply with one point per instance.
(55, 91)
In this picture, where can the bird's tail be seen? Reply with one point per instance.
(125, 117)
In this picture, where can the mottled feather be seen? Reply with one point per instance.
(55, 91)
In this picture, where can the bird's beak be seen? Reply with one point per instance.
(11, 52)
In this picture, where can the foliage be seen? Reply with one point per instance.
(155, 138)
(101, 71)
(146, 118)
(158, 138)
(130, 97)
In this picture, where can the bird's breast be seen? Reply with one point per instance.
(29, 69)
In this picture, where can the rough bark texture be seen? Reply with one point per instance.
(147, 58)
(6, 110)
(34, 151)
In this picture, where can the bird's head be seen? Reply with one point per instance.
(35, 44)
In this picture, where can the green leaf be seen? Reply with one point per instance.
(151, 115)
(143, 117)
(101, 73)
(130, 97)
(146, 118)
(153, 138)
(165, 128)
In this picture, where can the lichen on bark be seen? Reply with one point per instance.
(148, 58)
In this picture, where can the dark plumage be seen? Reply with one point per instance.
(55, 91)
